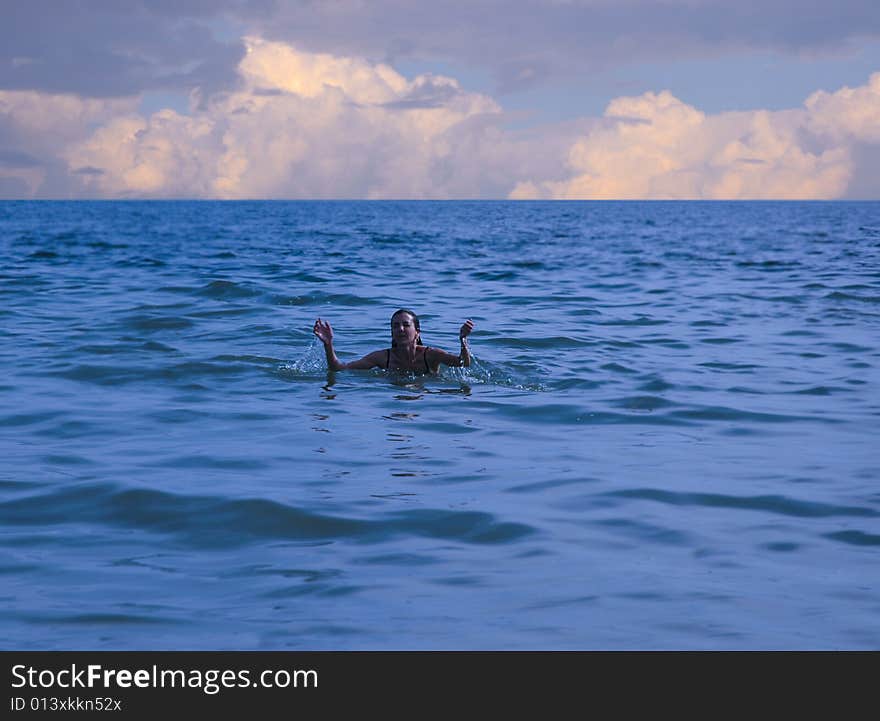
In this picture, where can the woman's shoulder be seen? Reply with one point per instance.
(380, 354)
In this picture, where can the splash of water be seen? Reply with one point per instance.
(493, 374)
(312, 361)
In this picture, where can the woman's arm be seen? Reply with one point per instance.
(464, 356)
(324, 332)
(463, 359)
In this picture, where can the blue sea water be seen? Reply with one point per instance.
(668, 439)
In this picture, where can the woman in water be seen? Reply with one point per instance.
(406, 352)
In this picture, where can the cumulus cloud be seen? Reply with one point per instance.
(314, 125)
(302, 125)
(850, 113)
(656, 146)
(35, 131)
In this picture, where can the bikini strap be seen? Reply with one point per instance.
(427, 367)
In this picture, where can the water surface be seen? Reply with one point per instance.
(668, 438)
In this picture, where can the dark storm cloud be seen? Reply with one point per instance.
(429, 93)
(13, 188)
(528, 42)
(88, 170)
(103, 48)
(17, 159)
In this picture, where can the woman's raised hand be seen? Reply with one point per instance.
(324, 332)
(466, 329)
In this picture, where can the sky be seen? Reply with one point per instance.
(523, 99)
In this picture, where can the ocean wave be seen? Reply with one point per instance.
(216, 521)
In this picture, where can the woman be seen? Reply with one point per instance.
(406, 352)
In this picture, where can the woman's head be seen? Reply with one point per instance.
(405, 328)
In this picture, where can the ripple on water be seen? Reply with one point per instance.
(855, 538)
(781, 505)
(821, 390)
(216, 521)
(644, 532)
(98, 619)
(722, 413)
(116, 375)
(642, 403)
(838, 295)
(227, 290)
(28, 419)
(155, 323)
(334, 299)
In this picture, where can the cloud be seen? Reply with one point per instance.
(531, 42)
(850, 113)
(302, 125)
(36, 129)
(314, 125)
(107, 49)
(17, 159)
(656, 146)
(12, 186)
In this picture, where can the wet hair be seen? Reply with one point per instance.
(415, 323)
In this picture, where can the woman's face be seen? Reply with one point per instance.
(403, 329)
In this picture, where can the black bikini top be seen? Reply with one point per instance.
(388, 360)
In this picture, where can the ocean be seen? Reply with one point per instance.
(668, 438)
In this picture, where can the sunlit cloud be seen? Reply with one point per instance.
(37, 128)
(849, 113)
(315, 125)
(656, 146)
(303, 125)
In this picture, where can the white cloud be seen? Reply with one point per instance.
(309, 125)
(655, 146)
(57, 118)
(41, 126)
(848, 114)
(303, 125)
(278, 66)
(167, 155)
